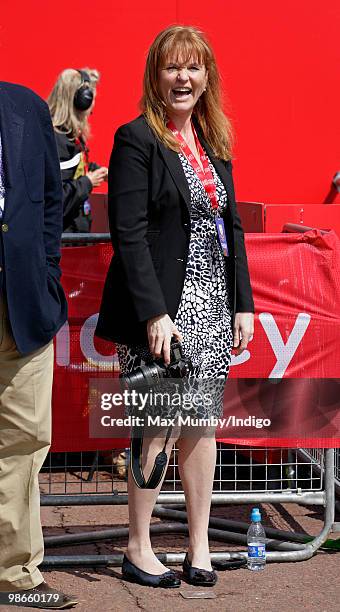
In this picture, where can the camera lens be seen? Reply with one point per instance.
(145, 375)
(132, 380)
(151, 373)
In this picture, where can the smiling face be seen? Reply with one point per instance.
(181, 83)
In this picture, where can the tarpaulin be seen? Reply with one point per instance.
(296, 286)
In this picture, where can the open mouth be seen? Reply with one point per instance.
(182, 92)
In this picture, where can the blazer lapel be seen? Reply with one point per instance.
(12, 129)
(175, 167)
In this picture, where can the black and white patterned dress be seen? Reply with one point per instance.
(204, 315)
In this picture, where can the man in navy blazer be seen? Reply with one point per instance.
(32, 309)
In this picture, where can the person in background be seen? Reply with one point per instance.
(71, 102)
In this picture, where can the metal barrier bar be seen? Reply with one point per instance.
(84, 238)
(219, 499)
(295, 228)
(108, 534)
(220, 523)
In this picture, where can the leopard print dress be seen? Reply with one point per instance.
(204, 316)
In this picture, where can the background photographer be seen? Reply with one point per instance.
(71, 102)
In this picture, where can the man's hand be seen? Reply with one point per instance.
(160, 331)
(243, 330)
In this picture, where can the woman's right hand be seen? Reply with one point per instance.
(97, 176)
(160, 331)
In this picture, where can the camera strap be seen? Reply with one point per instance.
(136, 450)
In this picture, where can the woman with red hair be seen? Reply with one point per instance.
(179, 270)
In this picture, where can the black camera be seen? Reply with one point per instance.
(93, 166)
(150, 374)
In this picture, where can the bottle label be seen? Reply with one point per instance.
(256, 551)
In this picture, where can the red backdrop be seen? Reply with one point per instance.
(296, 284)
(279, 63)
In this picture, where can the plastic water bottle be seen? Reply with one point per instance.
(256, 541)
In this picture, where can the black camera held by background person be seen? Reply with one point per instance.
(151, 373)
(93, 166)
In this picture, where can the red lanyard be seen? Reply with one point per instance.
(204, 175)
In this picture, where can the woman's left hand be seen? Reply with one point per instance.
(243, 330)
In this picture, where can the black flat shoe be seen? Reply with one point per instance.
(132, 573)
(198, 576)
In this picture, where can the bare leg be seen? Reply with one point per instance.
(196, 462)
(141, 504)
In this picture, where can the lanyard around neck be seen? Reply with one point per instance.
(204, 175)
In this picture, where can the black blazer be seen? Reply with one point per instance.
(32, 222)
(149, 215)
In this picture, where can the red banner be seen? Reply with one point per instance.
(296, 285)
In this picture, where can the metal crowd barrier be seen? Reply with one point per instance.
(243, 476)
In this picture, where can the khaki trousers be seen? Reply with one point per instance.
(25, 437)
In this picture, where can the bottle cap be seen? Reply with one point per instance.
(255, 515)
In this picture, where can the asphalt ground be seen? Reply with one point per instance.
(312, 585)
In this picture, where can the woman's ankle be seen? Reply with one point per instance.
(139, 548)
(200, 549)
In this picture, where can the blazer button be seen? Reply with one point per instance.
(4, 227)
